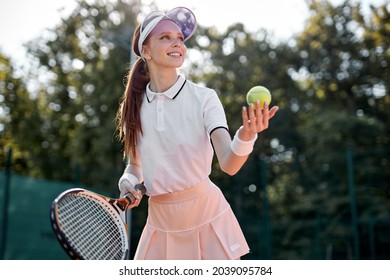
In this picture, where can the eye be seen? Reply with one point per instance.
(170, 37)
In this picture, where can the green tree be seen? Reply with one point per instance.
(85, 60)
(20, 120)
(340, 110)
(376, 78)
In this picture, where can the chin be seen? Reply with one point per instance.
(177, 64)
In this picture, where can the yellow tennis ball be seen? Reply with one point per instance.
(258, 93)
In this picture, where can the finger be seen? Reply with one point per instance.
(258, 107)
(135, 197)
(252, 118)
(259, 116)
(245, 119)
(265, 119)
(137, 194)
(134, 204)
(273, 111)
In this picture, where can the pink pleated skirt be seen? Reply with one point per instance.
(193, 224)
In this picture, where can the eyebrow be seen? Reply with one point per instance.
(170, 33)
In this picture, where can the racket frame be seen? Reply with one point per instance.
(119, 205)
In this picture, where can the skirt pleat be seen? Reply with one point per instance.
(194, 224)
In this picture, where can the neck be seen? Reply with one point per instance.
(161, 81)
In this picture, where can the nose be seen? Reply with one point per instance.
(176, 42)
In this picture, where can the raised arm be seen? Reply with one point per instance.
(232, 154)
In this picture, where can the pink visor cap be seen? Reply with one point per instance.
(182, 16)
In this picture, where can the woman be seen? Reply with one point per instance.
(170, 128)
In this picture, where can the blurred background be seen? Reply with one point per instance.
(316, 185)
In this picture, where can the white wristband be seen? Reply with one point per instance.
(240, 147)
(128, 177)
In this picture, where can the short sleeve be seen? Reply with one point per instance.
(214, 113)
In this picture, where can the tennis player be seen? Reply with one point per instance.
(171, 128)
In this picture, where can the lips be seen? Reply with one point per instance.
(174, 54)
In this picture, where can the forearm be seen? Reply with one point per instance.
(131, 177)
(233, 154)
(134, 169)
(230, 158)
(231, 163)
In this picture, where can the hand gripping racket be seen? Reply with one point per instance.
(90, 226)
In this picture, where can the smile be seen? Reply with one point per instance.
(176, 54)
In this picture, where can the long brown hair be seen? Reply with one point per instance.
(128, 115)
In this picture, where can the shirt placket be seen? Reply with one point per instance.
(160, 113)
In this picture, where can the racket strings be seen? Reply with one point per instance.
(82, 219)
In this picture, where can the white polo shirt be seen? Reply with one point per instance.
(175, 148)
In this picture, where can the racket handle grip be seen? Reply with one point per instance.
(141, 187)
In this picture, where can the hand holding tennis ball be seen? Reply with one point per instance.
(255, 119)
(258, 93)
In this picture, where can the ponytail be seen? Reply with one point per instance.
(129, 112)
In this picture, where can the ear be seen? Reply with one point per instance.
(146, 52)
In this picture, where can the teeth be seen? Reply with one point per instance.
(174, 54)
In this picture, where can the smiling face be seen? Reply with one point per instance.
(165, 46)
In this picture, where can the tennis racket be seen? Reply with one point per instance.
(90, 226)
